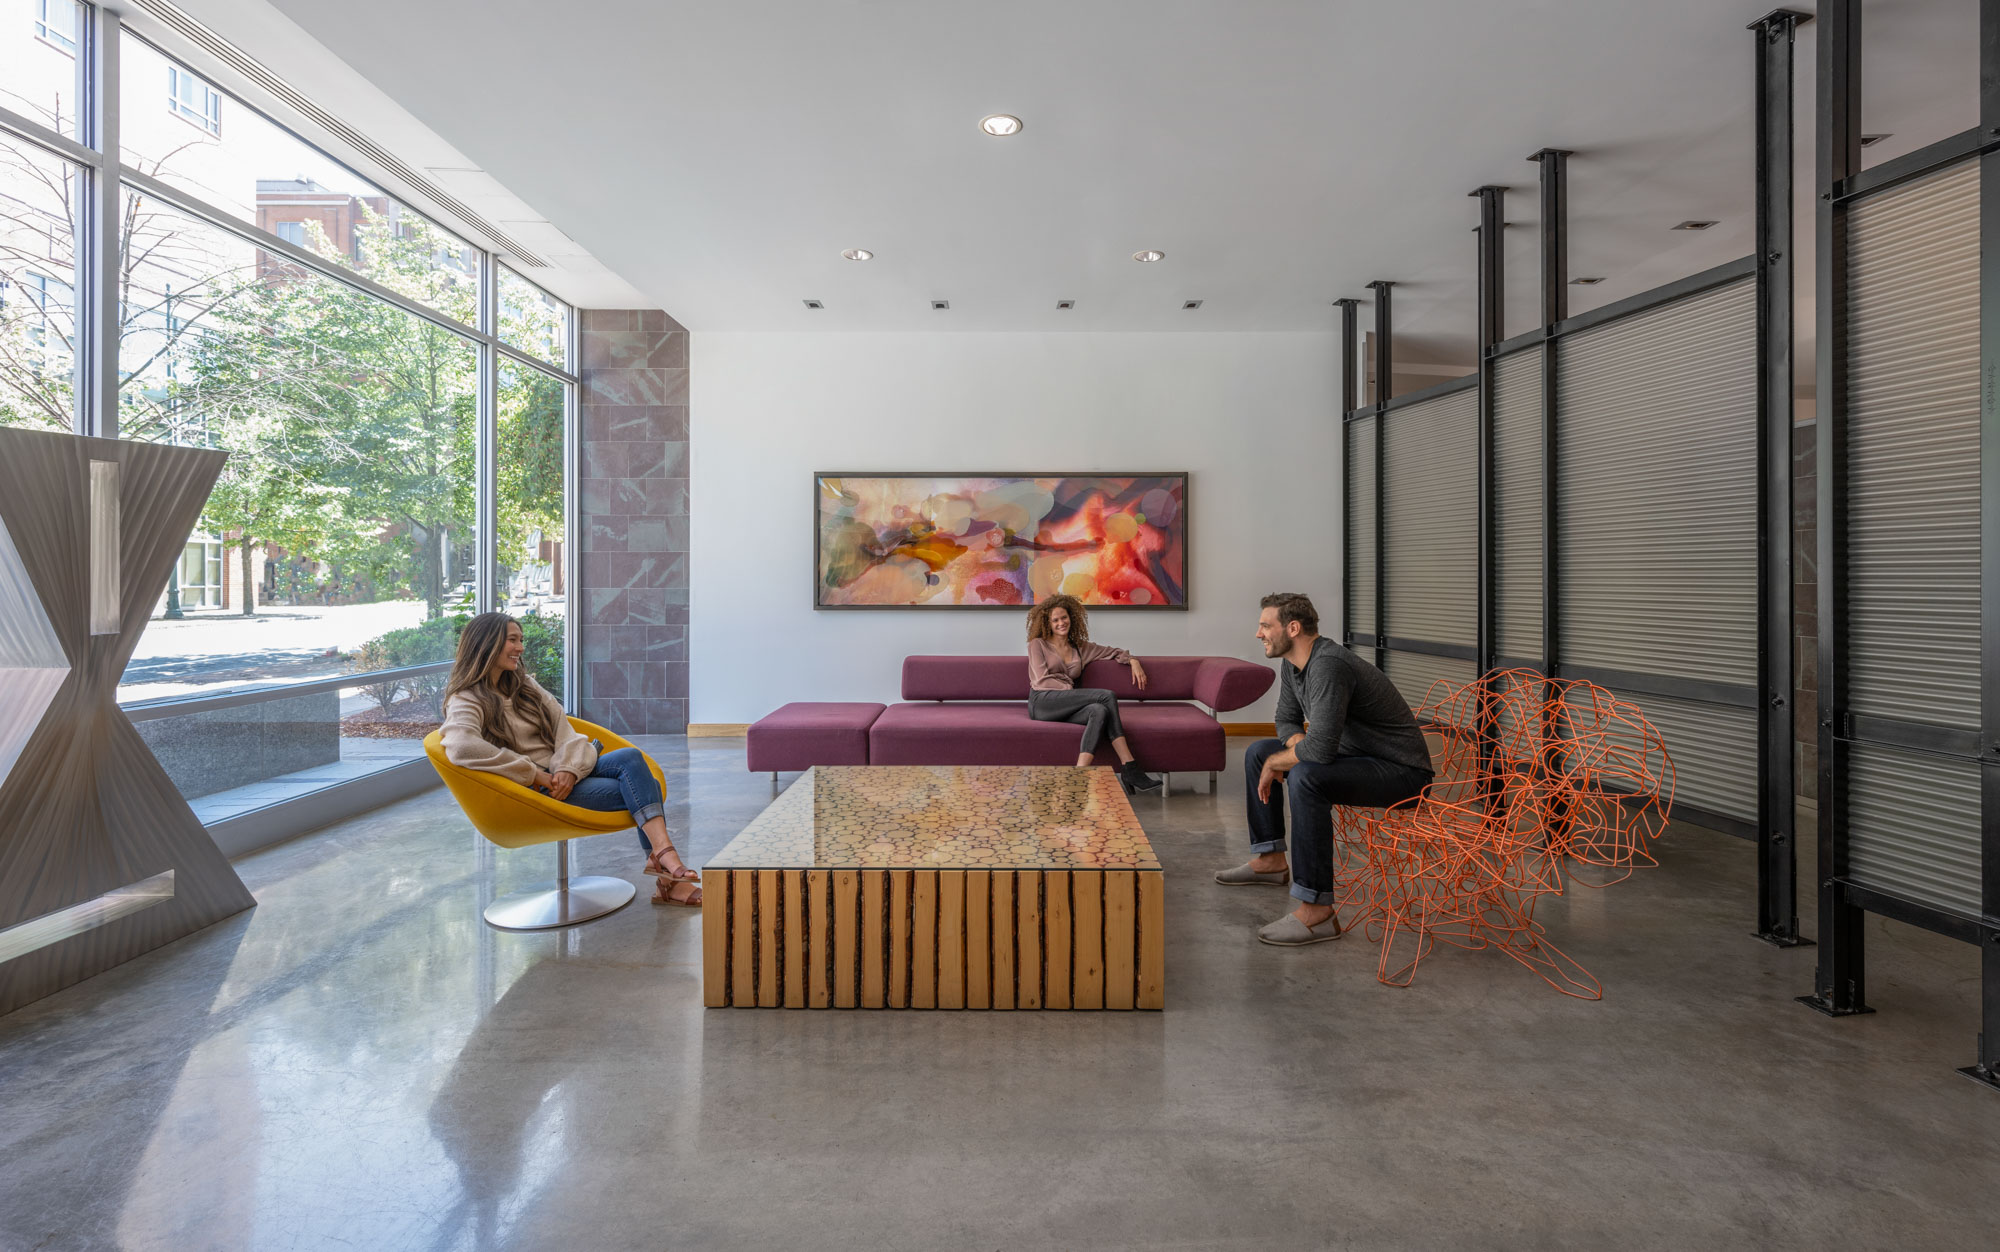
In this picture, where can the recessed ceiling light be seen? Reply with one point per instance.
(1585, 282)
(940, 304)
(1695, 224)
(1190, 304)
(1869, 141)
(857, 254)
(1000, 125)
(1065, 304)
(814, 304)
(1149, 255)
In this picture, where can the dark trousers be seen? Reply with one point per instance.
(621, 781)
(1359, 781)
(1095, 707)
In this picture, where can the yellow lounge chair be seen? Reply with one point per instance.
(514, 816)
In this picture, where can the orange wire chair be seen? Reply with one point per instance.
(1533, 775)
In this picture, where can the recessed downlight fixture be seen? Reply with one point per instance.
(1149, 254)
(1585, 282)
(814, 304)
(857, 254)
(1000, 125)
(1869, 141)
(1190, 304)
(1695, 224)
(940, 304)
(1065, 304)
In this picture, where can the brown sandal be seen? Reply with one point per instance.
(662, 895)
(656, 870)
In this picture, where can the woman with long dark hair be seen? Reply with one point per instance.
(1059, 647)
(499, 719)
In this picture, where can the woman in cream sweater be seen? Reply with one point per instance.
(497, 718)
(1059, 647)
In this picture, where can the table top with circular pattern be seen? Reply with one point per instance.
(1034, 817)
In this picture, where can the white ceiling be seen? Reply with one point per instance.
(718, 156)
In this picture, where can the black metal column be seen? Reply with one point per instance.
(1987, 1067)
(1492, 315)
(1839, 982)
(1350, 381)
(1385, 358)
(1777, 859)
(1554, 164)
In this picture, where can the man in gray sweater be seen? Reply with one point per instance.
(1345, 736)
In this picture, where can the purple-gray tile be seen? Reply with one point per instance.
(609, 459)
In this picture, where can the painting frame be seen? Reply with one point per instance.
(1185, 478)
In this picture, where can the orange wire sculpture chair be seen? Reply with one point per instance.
(1532, 774)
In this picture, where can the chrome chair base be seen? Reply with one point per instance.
(548, 905)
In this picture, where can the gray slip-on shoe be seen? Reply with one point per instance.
(1289, 932)
(1243, 876)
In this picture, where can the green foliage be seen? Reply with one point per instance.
(544, 656)
(437, 640)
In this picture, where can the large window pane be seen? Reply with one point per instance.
(38, 198)
(533, 320)
(39, 74)
(532, 575)
(340, 539)
(178, 128)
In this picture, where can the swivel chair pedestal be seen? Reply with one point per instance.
(564, 902)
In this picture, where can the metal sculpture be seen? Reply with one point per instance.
(1536, 777)
(100, 857)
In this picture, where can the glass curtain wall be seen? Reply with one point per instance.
(274, 303)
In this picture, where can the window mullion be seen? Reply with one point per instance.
(97, 243)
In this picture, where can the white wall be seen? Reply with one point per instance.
(1253, 417)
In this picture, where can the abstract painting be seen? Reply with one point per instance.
(999, 540)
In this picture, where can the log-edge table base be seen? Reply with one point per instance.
(893, 936)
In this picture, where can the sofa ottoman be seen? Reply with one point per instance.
(802, 735)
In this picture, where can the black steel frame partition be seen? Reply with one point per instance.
(1770, 268)
(1840, 981)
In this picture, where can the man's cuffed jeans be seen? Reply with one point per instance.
(1314, 788)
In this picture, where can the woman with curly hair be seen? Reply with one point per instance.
(497, 718)
(1059, 647)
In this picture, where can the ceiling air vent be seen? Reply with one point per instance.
(1695, 224)
(814, 304)
(1190, 304)
(1065, 304)
(940, 304)
(255, 71)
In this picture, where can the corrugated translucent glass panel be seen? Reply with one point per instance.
(1361, 524)
(1912, 577)
(1913, 825)
(1517, 504)
(1714, 751)
(1416, 675)
(1431, 519)
(1657, 495)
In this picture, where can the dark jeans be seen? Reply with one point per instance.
(1094, 707)
(1359, 781)
(621, 781)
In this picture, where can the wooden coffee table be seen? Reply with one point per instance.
(946, 887)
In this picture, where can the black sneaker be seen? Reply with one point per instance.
(1136, 779)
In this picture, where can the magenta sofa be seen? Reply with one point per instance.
(973, 710)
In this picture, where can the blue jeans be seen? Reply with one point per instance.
(1314, 788)
(621, 781)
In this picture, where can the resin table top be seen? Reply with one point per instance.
(1036, 817)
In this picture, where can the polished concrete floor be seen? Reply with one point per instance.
(358, 1063)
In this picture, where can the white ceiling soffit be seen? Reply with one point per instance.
(341, 110)
(1280, 152)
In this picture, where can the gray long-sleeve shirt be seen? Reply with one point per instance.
(1353, 708)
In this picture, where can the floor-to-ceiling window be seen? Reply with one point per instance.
(275, 303)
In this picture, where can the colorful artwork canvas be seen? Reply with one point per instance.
(1001, 540)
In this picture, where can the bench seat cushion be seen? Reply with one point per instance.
(799, 736)
(1163, 736)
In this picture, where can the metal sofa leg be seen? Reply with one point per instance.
(564, 902)
(1211, 782)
